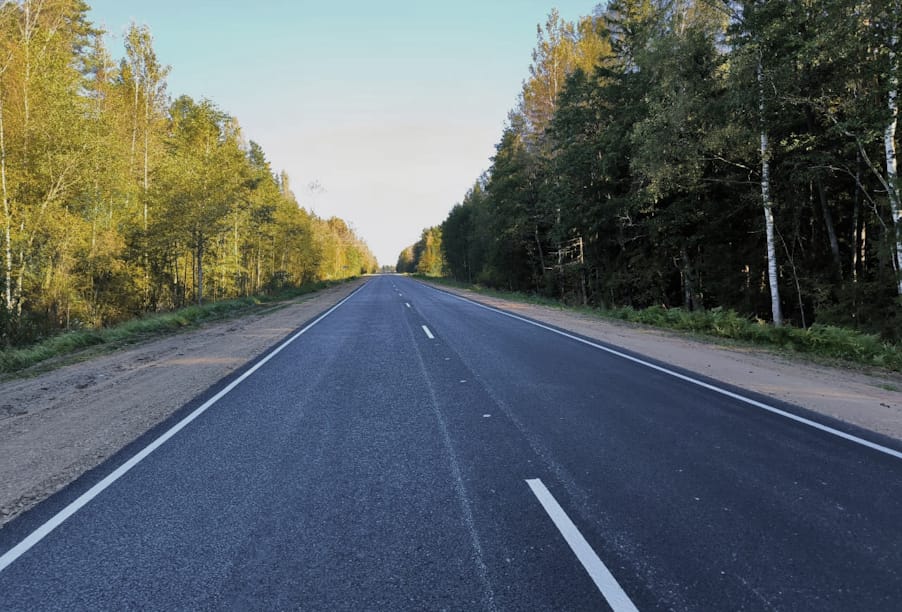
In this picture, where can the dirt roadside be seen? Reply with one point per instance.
(59, 424)
(872, 401)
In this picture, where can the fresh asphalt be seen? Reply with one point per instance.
(367, 466)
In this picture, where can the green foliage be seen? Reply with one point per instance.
(634, 178)
(424, 257)
(406, 263)
(117, 202)
(820, 340)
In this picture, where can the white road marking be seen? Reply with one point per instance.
(428, 333)
(458, 484)
(56, 520)
(601, 576)
(407, 304)
(746, 400)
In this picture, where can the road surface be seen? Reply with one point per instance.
(413, 450)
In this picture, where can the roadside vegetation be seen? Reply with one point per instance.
(118, 199)
(16, 359)
(819, 340)
(704, 164)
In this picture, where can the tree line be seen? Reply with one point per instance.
(701, 154)
(425, 256)
(118, 200)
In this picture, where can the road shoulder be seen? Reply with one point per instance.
(60, 424)
(868, 400)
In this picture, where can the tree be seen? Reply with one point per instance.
(671, 145)
(43, 145)
(144, 78)
(201, 182)
(756, 31)
(429, 255)
(643, 180)
(406, 263)
(115, 202)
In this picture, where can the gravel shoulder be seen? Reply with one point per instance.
(59, 424)
(869, 400)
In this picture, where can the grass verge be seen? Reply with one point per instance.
(822, 341)
(19, 358)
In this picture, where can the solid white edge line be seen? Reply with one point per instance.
(56, 520)
(597, 570)
(747, 400)
(428, 333)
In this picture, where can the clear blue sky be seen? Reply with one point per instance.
(393, 106)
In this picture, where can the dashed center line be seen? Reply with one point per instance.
(428, 333)
(407, 304)
(601, 576)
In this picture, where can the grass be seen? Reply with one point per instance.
(65, 344)
(822, 341)
(517, 296)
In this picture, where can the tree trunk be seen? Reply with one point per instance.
(27, 33)
(258, 264)
(131, 158)
(26, 103)
(176, 300)
(863, 246)
(541, 256)
(889, 145)
(185, 272)
(7, 221)
(856, 218)
(146, 182)
(200, 269)
(825, 209)
(17, 295)
(768, 208)
(831, 229)
(688, 282)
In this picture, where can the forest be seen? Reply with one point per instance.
(119, 199)
(698, 154)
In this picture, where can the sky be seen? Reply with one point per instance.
(382, 112)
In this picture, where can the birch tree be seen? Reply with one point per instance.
(862, 106)
(752, 49)
(553, 59)
(43, 150)
(143, 74)
(894, 194)
(766, 201)
(6, 56)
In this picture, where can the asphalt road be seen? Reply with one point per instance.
(413, 450)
